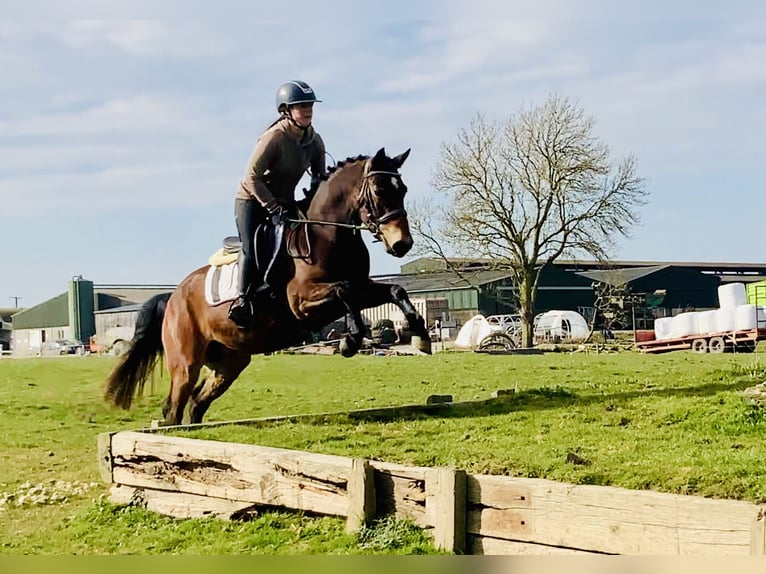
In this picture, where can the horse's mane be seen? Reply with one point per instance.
(342, 163)
(316, 181)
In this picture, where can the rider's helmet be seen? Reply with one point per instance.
(294, 92)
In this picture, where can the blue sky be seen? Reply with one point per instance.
(125, 127)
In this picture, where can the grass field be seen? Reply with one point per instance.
(675, 422)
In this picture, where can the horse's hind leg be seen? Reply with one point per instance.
(183, 365)
(183, 377)
(225, 365)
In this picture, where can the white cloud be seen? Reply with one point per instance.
(118, 186)
(139, 112)
(136, 36)
(680, 105)
(413, 88)
(449, 51)
(741, 64)
(144, 37)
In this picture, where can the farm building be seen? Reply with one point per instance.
(6, 328)
(71, 316)
(568, 284)
(114, 328)
(109, 311)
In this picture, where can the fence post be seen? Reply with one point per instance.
(758, 533)
(446, 507)
(361, 495)
(105, 456)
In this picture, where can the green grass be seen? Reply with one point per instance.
(673, 423)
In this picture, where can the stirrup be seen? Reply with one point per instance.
(264, 294)
(241, 312)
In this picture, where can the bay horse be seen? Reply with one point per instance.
(311, 291)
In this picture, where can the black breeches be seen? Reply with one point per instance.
(248, 213)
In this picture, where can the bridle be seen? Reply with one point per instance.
(368, 207)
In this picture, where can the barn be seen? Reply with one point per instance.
(114, 328)
(72, 315)
(476, 288)
(6, 328)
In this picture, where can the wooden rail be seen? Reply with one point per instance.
(469, 513)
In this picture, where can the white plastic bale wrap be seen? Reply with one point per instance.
(707, 322)
(684, 324)
(744, 318)
(725, 320)
(662, 328)
(732, 295)
(473, 332)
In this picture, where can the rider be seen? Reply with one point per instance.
(282, 154)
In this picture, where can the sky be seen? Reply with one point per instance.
(125, 128)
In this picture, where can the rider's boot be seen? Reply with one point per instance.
(262, 292)
(241, 312)
(241, 309)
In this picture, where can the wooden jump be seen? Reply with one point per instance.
(466, 513)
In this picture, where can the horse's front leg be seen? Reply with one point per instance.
(376, 294)
(322, 299)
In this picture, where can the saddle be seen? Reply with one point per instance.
(265, 245)
(296, 239)
(221, 279)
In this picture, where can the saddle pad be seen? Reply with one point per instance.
(221, 284)
(220, 257)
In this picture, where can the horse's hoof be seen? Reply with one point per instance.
(348, 347)
(421, 344)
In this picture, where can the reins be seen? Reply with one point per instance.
(361, 227)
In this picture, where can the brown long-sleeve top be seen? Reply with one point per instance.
(281, 156)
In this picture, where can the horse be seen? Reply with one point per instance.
(328, 279)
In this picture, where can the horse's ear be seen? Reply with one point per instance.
(379, 156)
(399, 160)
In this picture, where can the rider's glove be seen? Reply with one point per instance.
(278, 214)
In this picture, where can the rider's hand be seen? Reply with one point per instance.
(278, 214)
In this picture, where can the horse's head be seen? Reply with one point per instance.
(381, 204)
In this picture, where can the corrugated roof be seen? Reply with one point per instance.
(111, 296)
(123, 309)
(712, 266)
(621, 276)
(443, 280)
(51, 313)
(7, 312)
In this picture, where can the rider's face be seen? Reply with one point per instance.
(302, 113)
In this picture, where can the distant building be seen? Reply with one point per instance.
(477, 288)
(114, 328)
(109, 311)
(6, 327)
(72, 314)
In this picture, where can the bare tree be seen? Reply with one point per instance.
(523, 192)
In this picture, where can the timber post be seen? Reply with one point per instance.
(446, 507)
(361, 495)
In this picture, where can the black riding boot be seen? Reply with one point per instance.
(246, 214)
(241, 309)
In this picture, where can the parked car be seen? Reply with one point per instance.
(62, 347)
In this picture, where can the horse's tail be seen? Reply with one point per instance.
(135, 366)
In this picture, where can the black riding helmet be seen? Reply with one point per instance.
(294, 92)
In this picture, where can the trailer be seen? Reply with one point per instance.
(743, 341)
